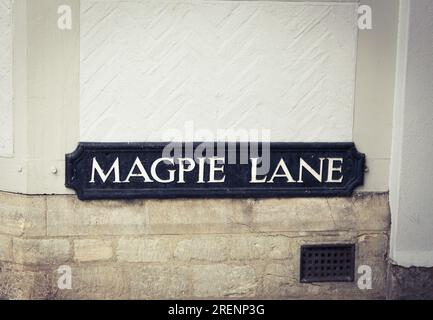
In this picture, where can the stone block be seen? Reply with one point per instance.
(150, 249)
(224, 281)
(19, 282)
(68, 216)
(5, 249)
(41, 251)
(168, 281)
(281, 281)
(92, 249)
(208, 248)
(198, 216)
(260, 247)
(98, 282)
(22, 215)
(361, 212)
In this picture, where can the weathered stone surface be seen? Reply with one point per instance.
(93, 249)
(373, 245)
(159, 282)
(234, 247)
(67, 216)
(5, 248)
(262, 247)
(188, 216)
(203, 248)
(22, 215)
(41, 251)
(126, 281)
(188, 248)
(222, 280)
(410, 283)
(21, 282)
(96, 282)
(12, 285)
(368, 245)
(366, 212)
(292, 215)
(370, 212)
(150, 249)
(379, 270)
(281, 281)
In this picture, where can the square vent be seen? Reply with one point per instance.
(327, 263)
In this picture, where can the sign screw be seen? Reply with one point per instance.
(20, 169)
(53, 170)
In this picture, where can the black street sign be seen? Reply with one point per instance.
(213, 170)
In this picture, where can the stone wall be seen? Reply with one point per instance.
(184, 248)
(410, 283)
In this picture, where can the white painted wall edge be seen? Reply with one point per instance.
(46, 104)
(13, 176)
(374, 94)
(411, 168)
(408, 259)
(6, 66)
(397, 132)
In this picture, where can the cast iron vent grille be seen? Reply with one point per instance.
(327, 263)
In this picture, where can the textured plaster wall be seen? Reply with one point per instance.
(47, 87)
(150, 66)
(6, 118)
(412, 168)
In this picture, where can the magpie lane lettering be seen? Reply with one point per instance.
(143, 170)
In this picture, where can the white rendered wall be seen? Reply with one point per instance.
(6, 118)
(149, 66)
(47, 79)
(411, 184)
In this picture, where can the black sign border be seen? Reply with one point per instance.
(235, 193)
